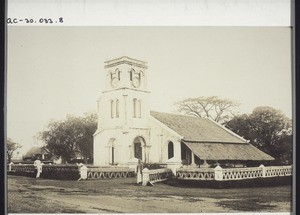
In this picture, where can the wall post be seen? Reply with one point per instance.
(218, 173)
(145, 176)
(173, 164)
(263, 170)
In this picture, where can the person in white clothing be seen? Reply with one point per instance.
(38, 166)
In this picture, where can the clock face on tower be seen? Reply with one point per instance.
(136, 82)
(114, 82)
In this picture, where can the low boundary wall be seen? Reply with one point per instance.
(155, 175)
(232, 174)
(95, 172)
(71, 172)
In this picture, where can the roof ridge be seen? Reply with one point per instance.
(229, 131)
(177, 114)
(208, 141)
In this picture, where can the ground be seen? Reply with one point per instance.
(30, 195)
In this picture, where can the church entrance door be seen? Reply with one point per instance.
(138, 151)
(139, 148)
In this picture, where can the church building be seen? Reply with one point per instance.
(128, 130)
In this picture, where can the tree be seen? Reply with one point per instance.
(11, 147)
(268, 129)
(212, 107)
(70, 137)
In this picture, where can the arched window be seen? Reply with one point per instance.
(137, 108)
(117, 108)
(131, 74)
(140, 76)
(170, 150)
(112, 151)
(134, 107)
(119, 75)
(112, 108)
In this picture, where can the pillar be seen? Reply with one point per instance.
(174, 164)
(193, 159)
(145, 176)
(218, 173)
(177, 149)
(263, 170)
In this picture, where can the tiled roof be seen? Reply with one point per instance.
(227, 151)
(197, 129)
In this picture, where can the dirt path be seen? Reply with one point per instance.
(115, 204)
(27, 195)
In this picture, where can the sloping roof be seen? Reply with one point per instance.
(196, 129)
(209, 140)
(227, 151)
(36, 150)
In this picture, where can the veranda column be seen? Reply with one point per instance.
(193, 159)
(177, 149)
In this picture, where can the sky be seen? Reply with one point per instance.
(55, 71)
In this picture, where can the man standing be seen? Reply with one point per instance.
(38, 166)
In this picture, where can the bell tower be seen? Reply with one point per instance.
(125, 101)
(123, 131)
(125, 72)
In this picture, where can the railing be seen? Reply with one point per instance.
(196, 174)
(242, 173)
(155, 175)
(228, 174)
(58, 168)
(109, 172)
(29, 168)
(73, 172)
(273, 171)
(46, 171)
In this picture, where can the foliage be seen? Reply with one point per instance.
(268, 129)
(213, 107)
(11, 147)
(71, 137)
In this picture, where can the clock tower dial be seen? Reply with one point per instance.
(136, 82)
(126, 73)
(115, 82)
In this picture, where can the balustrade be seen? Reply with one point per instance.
(155, 175)
(274, 171)
(103, 173)
(196, 174)
(227, 174)
(242, 173)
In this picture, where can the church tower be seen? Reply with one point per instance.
(123, 111)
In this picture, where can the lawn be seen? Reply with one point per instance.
(30, 195)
